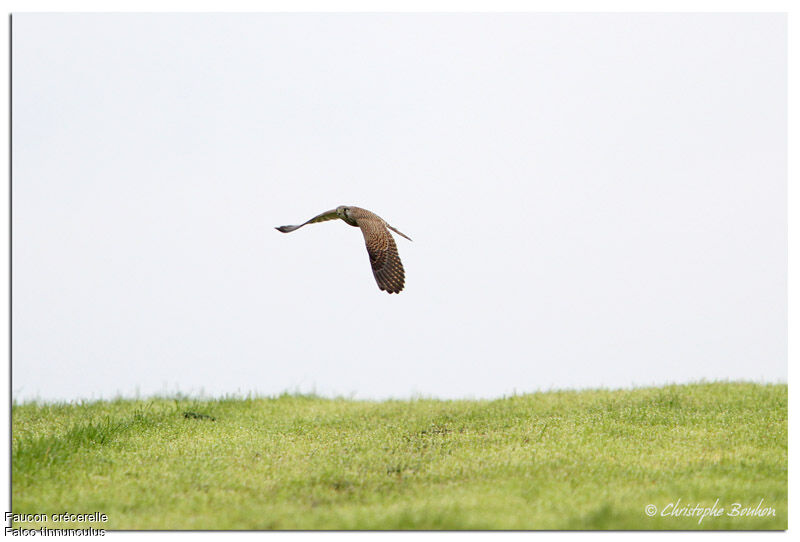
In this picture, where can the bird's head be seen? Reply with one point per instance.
(344, 212)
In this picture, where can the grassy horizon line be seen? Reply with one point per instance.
(313, 394)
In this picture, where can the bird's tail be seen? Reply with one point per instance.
(399, 232)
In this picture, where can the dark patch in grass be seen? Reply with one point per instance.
(197, 416)
(435, 430)
(602, 517)
(399, 469)
(342, 485)
(395, 469)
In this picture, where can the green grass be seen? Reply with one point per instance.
(556, 460)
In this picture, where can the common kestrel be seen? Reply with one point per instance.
(386, 264)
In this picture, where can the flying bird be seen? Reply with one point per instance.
(386, 264)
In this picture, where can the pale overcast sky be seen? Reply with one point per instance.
(596, 200)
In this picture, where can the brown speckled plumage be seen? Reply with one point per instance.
(382, 250)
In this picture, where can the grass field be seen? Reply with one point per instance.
(556, 460)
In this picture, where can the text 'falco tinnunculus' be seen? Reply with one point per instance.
(386, 264)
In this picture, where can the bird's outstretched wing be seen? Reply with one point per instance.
(383, 256)
(327, 215)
